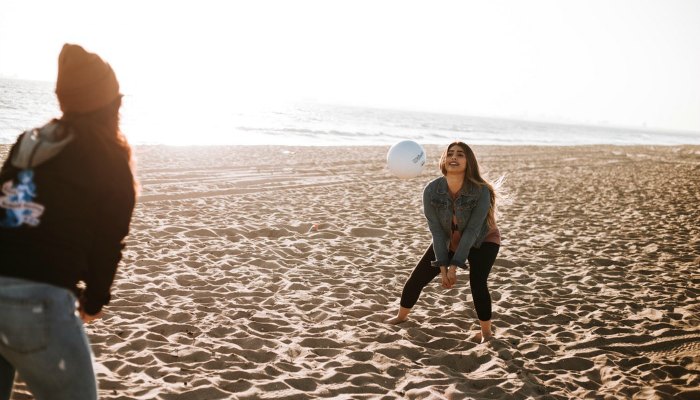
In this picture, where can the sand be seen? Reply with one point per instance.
(267, 272)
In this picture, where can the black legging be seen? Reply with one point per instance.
(480, 262)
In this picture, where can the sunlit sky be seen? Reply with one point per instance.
(628, 63)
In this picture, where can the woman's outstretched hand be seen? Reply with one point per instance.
(443, 278)
(87, 318)
(84, 316)
(452, 275)
(448, 277)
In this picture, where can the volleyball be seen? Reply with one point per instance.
(405, 159)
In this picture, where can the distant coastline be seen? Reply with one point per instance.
(31, 102)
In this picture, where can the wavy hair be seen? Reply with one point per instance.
(472, 176)
(103, 124)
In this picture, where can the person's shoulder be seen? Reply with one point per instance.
(434, 183)
(482, 191)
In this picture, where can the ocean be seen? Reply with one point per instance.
(27, 104)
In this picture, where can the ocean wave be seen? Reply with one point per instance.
(27, 104)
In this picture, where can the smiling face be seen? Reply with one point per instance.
(454, 160)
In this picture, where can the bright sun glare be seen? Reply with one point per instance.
(194, 66)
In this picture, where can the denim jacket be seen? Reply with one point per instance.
(471, 208)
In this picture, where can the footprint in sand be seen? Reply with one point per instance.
(368, 232)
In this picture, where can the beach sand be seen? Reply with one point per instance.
(267, 272)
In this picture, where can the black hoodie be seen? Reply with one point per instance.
(65, 208)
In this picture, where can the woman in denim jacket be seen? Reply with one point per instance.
(460, 208)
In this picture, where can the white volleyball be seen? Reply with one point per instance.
(405, 159)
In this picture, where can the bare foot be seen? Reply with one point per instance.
(477, 337)
(480, 338)
(395, 320)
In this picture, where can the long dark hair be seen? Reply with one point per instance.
(472, 176)
(103, 125)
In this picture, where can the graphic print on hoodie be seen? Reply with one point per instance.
(17, 200)
(33, 148)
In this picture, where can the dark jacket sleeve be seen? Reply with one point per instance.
(113, 212)
(476, 221)
(439, 237)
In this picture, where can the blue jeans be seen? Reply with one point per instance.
(42, 338)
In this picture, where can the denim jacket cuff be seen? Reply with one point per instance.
(462, 265)
(438, 263)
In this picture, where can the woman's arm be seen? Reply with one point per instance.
(476, 221)
(439, 238)
(113, 216)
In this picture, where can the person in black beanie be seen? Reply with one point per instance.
(67, 193)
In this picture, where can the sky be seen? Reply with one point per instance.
(625, 63)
